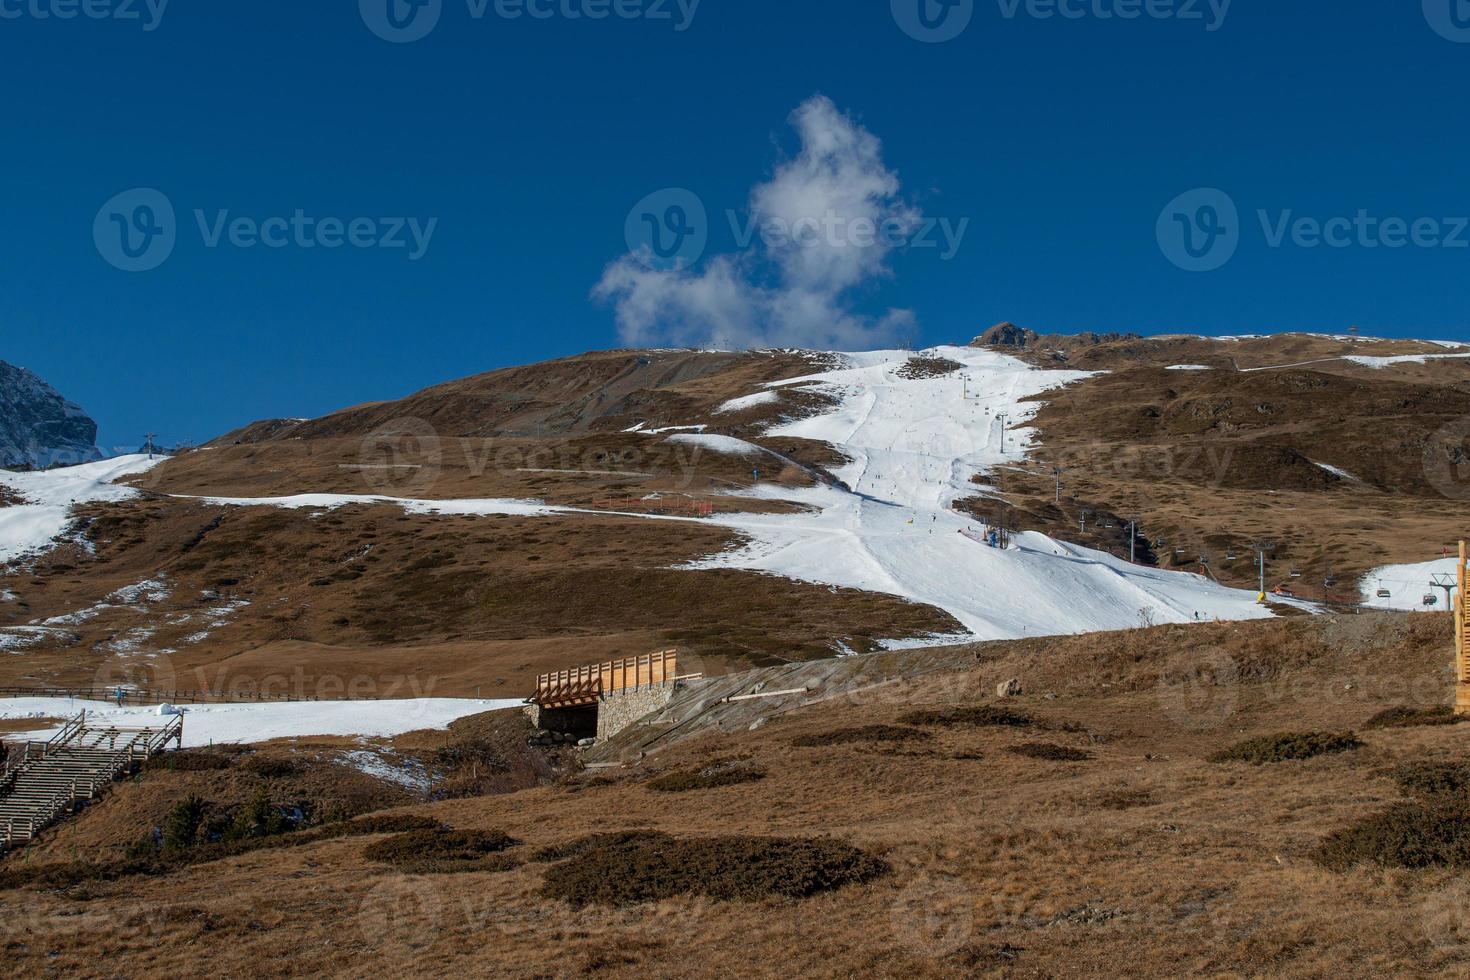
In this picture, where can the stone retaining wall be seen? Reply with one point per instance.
(620, 709)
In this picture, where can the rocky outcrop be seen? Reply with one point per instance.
(1009, 335)
(38, 427)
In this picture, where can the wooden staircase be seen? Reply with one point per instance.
(1462, 640)
(41, 782)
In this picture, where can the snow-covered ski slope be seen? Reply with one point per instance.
(913, 447)
(48, 495)
(1407, 585)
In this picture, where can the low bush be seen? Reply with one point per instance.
(709, 777)
(978, 716)
(597, 842)
(1404, 716)
(650, 867)
(1288, 747)
(867, 733)
(1425, 780)
(189, 761)
(441, 850)
(1050, 752)
(1406, 835)
(149, 858)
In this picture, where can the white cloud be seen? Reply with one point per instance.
(825, 225)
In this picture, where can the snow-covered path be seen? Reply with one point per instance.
(914, 445)
(206, 724)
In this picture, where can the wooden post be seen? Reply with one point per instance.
(1462, 640)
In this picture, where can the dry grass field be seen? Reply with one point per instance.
(1145, 857)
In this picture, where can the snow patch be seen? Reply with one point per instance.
(748, 401)
(390, 767)
(1378, 363)
(206, 724)
(720, 444)
(31, 527)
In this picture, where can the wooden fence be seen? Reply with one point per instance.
(130, 696)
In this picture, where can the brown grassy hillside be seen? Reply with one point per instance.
(1141, 857)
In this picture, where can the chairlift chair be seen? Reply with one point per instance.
(1430, 599)
(1384, 593)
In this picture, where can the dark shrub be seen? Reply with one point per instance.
(597, 842)
(1406, 835)
(1050, 752)
(181, 826)
(1288, 746)
(1433, 779)
(1407, 717)
(711, 776)
(648, 868)
(188, 761)
(444, 851)
(867, 733)
(258, 818)
(979, 716)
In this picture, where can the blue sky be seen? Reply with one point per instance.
(1059, 141)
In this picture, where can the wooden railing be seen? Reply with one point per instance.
(138, 745)
(584, 685)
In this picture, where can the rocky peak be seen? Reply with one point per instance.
(38, 427)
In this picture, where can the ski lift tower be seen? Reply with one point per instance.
(1462, 641)
(148, 445)
(1260, 547)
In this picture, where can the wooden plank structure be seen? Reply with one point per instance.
(581, 686)
(1462, 640)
